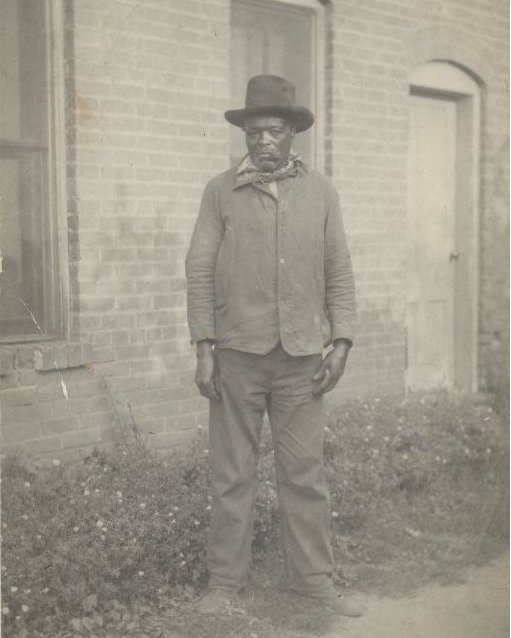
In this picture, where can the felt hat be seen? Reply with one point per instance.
(271, 95)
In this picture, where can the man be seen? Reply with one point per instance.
(269, 286)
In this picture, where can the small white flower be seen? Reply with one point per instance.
(437, 459)
(103, 537)
(75, 528)
(176, 509)
(14, 589)
(335, 514)
(4, 525)
(208, 508)
(39, 537)
(196, 523)
(386, 439)
(6, 611)
(142, 505)
(96, 491)
(45, 590)
(488, 450)
(25, 608)
(27, 591)
(118, 494)
(170, 514)
(99, 524)
(404, 456)
(56, 462)
(183, 563)
(181, 554)
(86, 493)
(26, 484)
(4, 568)
(24, 517)
(206, 451)
(141, 573)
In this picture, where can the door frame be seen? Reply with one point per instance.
(446, 80)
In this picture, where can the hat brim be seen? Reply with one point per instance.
(300, 116)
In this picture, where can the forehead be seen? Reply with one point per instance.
(265, 121)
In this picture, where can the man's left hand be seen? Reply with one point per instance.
(332, 368)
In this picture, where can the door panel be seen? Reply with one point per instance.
(431, 243)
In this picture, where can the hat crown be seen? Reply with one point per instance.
(271, 95)
(269, 90)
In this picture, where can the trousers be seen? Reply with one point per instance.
(281, 385)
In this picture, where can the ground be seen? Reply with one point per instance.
(478, 608)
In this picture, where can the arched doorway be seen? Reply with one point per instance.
(442, 228)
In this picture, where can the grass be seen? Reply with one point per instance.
(114, 545)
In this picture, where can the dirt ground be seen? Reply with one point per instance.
(478, 608)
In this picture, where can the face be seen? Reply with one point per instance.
(268, 141)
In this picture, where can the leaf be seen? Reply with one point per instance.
(88, 623)
(89, 603)
(76, 624)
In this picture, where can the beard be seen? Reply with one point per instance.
(268, 162)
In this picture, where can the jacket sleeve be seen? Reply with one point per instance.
(200, 267)
(339, 280)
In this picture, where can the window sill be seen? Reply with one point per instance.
(44, 356)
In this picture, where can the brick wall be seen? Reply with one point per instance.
(375, 45)
(146, 87)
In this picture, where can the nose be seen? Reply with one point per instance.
(264, 138)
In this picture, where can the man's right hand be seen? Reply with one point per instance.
(206, 376)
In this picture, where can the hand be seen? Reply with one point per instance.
(206, 373)
(332, 368)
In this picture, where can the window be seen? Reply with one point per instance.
(30, 296)
(280, 38)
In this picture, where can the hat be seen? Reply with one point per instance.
(271, 95)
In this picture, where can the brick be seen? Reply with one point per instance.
(81, 438)
(18, 396)
(7, 360)
(13, 414)
(42, 445)
(17, 433)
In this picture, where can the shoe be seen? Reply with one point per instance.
(221, 602)
(336, 603)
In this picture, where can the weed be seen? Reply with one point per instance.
(91, 549)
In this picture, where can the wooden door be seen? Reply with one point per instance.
(432, 252)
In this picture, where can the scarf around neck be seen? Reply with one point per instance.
(248, 173)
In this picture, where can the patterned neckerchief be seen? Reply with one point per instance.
(248, 173)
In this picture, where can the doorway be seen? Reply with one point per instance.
(441, 294)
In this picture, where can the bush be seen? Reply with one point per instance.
(118, 528)
(417, 485)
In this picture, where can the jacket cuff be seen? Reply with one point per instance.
(343, 332)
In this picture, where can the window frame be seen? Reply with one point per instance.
(53, 180)
(317, 70)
